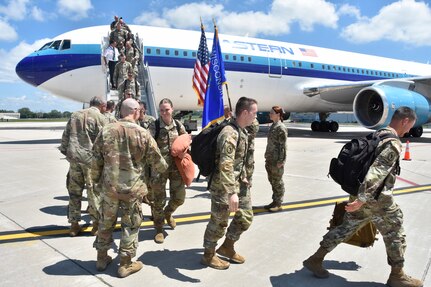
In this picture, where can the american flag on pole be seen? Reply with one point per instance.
(200, 73)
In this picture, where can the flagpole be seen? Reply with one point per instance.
(227, 88)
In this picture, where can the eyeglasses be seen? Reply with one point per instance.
(129, 94)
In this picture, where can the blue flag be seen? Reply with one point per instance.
(213, 103)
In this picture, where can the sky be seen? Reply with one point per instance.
(395, 29)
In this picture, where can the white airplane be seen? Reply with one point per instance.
(297, 77)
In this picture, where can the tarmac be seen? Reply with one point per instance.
(36, 250)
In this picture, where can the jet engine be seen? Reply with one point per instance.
(374, 106)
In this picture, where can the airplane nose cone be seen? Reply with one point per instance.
(25, 70)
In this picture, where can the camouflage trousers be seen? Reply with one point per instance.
(275, 177)
(388, 219)
(131, 219)
(177, 193)
(220, 215)
(78, 178)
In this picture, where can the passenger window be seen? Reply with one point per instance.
(194, 54)
(66, 45)
(234, 58)
(294, 63)
(312, 66)
(323, 67)
(249, 59)
(185, 53)
(158, 51)
(299, 64)
(148, 51)
(226, 57)
(176, 52)
(167, 52)
(242, 58)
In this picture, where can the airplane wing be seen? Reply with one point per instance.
(344, 93)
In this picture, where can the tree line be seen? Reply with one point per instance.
(26, 113)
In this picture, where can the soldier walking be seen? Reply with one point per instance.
(225, 188)
(76, 144)
(120, 152)
(375, 202)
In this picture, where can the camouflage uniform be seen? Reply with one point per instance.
(121, 71)
(177, 192)
(275, 154)
(120, 152)
(145, 123)
(133, 85)
(120, 37)
(383, 212)
(230, 167)
(110, 118)
(244, 216)
(76, 143)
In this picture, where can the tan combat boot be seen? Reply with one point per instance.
(314, 263)
(75, 229)
(95, 228)
(398, 278)
(271, 205)
(228, 251)
(103, 260)
(159, 237)
(211, 259)
(170, 220)
(128, 267)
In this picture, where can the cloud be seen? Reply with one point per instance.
(282, 14)
(37, 14)
(12, 57)
(75, 9)
(405, 21)
(349, 10)
(15, 10)
(8, 33)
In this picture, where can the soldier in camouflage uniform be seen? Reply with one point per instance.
(169, 130)
(145, 121)
(230, 171)
(76, 143)
(132, 84)
(122, 69)
(244, 216)
(120, 152)
(119, 35)
(110, 107)
(383, 211)
(275, 157)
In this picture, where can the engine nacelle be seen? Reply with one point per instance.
(374, 106)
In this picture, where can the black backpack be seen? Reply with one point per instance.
(355, 158)
(204, 145)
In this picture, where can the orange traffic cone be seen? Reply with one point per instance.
(407, 153)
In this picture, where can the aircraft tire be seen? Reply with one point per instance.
(333, 126)
(324, 126)
(416, 132)
(315, 126)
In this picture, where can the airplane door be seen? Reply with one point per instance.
(275, 67)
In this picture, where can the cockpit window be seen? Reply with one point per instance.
(66, 45)
(55, 45)
(46, 46)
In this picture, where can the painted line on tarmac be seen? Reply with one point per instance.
(62, 231)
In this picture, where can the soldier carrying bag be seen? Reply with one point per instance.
(363, 237)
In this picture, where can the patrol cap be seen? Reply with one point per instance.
(128, 107)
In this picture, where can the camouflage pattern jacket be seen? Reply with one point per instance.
(230, 160)
(249, 158)
(382, 172)
(133, 85)
(276, 147)
(121, 71)
(147, 121)
(167, 135)
(120, 153)
(80, 133)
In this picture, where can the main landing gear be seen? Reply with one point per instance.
(323, 125)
